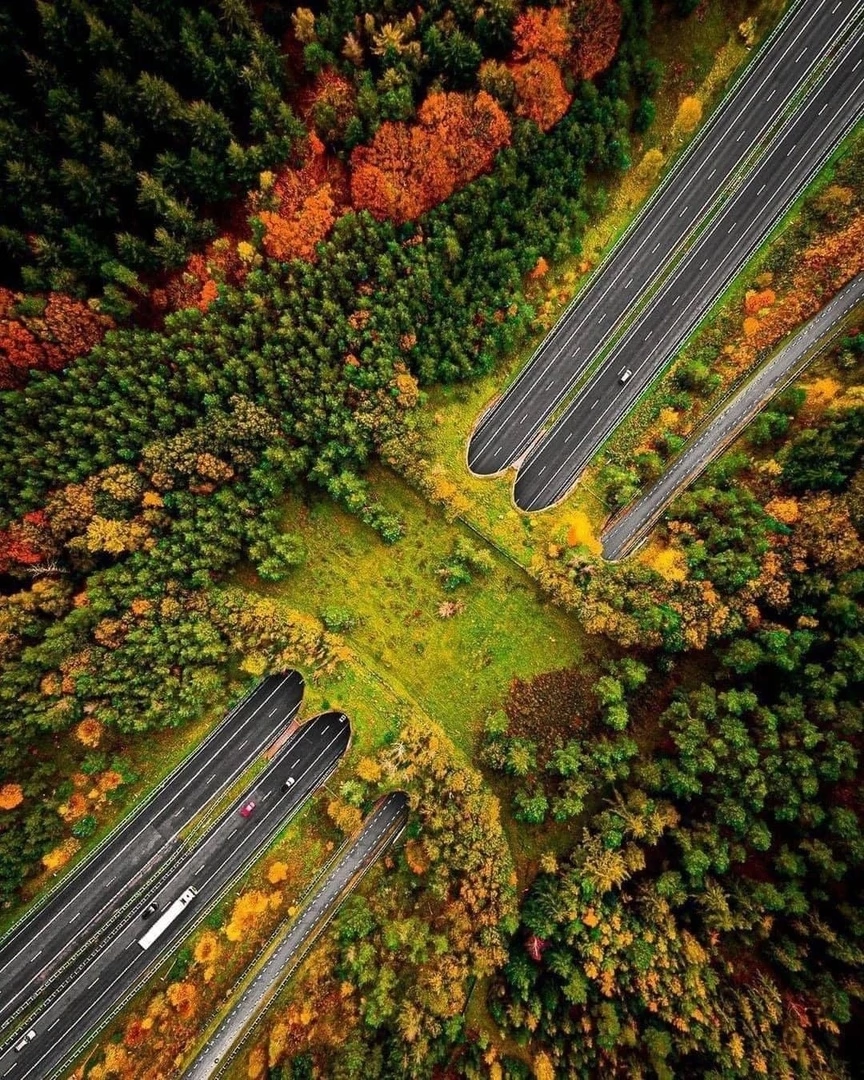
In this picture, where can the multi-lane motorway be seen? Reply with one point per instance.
(792, 104)
(628, 529)
(551, 469)
(89, 991)
(147, 839)
(380, 829)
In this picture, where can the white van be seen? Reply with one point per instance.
(626, 375)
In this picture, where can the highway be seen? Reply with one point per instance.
(86, 898)
(281, 956)
(749, 118)
(626, 530)
(116, 966)
(555, 463)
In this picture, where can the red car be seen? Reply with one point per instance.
(247, 808)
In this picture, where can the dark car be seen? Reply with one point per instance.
(149, 910)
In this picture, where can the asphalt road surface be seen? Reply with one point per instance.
(85, 1000)
(380, 829)
(632, 525)
(749, 118)
(87, 897)
(554, 464)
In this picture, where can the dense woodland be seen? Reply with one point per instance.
(239, 240)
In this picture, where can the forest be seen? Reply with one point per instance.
(243, 243)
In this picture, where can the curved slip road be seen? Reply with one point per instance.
(626, 530)
(381, 828)
(87, 998)
(86, 898)
(555, 463)
(747, 118)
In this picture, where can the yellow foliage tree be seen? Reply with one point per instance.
(114, 536)
(344, 816)
(580, 533)
(89, 732)
(207, 948)
(247, 910)
(369, 770)
(184, 997)
(785, 510)
(257, 1062)
(543, 1067)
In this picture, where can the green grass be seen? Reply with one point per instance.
(455, 670)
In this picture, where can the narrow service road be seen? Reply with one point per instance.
(627, 529)
(52, 931)
(381, 828)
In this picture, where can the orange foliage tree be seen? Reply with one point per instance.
(541, 95)
(541, 32)
(409, 168)
(11, 795)
(47, 341)
(298, 206)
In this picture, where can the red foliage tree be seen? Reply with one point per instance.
(25, 543)
(596, 28)
(409, 168)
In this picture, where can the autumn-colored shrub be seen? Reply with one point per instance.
(11, 795)
(409, 168)
(581, 533)
(109, 780)
(277, 872)
(207, 948)
(541, 269)
(135, 1034)
(755, 301)
(689, 114)
(60, 855)
(74, 808)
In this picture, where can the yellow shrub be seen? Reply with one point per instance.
(689, 114)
